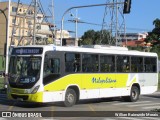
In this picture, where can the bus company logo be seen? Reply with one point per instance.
(99, 80)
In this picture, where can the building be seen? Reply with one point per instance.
(132, 39)
(21, 24)
(3, 6)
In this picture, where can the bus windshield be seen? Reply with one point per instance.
(24, 70)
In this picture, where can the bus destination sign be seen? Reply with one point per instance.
(27, 51)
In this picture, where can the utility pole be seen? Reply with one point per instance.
(7, 38)
(34, 25)
(53, 18)
(116, 23)
(76, 29)
(114, 20)
(85, 6)
(76, 21)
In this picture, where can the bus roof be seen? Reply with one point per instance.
(93, 49)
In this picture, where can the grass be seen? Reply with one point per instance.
(1, 83)
(159, 82)
(2, 63)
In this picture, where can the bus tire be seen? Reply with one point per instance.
(134, 95)
(70, 98)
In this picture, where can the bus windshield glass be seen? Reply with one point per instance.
(24, 70)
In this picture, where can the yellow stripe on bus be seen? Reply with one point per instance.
(89, 81)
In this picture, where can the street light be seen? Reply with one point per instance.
(76, 20)
(85, 6)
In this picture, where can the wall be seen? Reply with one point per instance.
(3, 5)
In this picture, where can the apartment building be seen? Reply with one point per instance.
(21, 23)
(3, 25)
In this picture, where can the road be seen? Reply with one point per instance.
(145, 103)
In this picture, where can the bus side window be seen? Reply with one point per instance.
(123, 64)
(51, 66)
(72, 62)
(51, 70)
(136, 64)
(90, 63)
(107, 63)
(150, 64)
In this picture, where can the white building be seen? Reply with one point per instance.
(131, 37)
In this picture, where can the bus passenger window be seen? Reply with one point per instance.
(52, 66)
(72, 62)
(107, 63)
(123, 64)
(136, 64)
(90, 63)
(150, 64)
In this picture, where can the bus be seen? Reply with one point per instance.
(49, 73)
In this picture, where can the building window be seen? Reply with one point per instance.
(13, 21)
(29, 22)
(30, 12)
(38, 27)
(14, 9)
(20, 10)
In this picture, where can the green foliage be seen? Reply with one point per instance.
(139, 48)
(156, 49)
(156, 22)
(2, 82)
(2, 63)
(159, 81)
(154, 36)
(92, 37)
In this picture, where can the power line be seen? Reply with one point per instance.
(86, 22)
(96, 24)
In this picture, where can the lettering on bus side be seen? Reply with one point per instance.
(99, 80)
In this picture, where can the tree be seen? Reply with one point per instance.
(88, 38)
(156, 22)
(92, 37)
(154, 36)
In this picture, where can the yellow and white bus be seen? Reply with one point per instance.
(51, 73)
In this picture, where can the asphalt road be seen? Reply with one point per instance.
(88, 108)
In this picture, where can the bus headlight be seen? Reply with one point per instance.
(35, 89)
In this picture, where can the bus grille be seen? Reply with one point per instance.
(24, 97)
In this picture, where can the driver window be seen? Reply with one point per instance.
(51, 69)
(52, 65)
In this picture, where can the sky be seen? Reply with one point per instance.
(140, 19)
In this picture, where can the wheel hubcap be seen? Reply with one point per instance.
(134, 95)
(70, 98)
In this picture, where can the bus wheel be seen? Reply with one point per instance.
(134, 95)
(70, 98)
